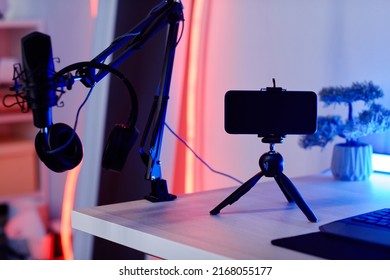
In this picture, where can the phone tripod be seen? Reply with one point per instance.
(271, 165)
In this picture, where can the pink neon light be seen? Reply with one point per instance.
(94, 5)
(67, 206)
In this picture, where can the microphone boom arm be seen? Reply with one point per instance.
(169, 13)
(157, 118)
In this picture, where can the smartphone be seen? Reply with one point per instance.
(270, 112)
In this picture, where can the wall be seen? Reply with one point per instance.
(304, 45)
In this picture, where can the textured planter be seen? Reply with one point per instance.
(352, 162)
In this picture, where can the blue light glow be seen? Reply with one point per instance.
(381, 163)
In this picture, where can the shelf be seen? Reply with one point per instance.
(19, 164)
(21, 24)
(11, 33)
(14, 117)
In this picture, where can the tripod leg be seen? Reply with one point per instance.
(296, 196)
(280, 184)
(237, 193)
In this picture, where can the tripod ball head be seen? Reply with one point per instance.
(271, 163)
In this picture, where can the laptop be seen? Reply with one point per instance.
(372, 227)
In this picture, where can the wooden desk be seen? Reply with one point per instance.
(184, 229)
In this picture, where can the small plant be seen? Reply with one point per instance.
(374, 119)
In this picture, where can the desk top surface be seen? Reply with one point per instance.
(184, 229)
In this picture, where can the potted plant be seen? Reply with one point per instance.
(351, 160)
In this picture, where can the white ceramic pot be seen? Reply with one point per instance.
(352, 162)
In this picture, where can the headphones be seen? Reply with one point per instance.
(60, 148)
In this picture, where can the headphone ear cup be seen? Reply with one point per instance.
(120, 141)
(62, 150)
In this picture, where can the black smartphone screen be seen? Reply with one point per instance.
(270, 112)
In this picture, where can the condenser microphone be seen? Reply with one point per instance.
(58, 145)
(40, 87)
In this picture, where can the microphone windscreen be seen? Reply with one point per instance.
(40, 90)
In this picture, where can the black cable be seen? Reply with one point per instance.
(200, 158)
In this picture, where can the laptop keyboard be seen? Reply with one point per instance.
(377, 218)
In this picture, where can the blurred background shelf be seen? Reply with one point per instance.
(18, 161)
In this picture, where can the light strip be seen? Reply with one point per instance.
(94, 5)
(67, 207)
(192, 86)
(381, 163)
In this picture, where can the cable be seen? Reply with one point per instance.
(75, 124)
(81, 106)
(199, 158)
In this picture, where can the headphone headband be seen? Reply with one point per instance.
(101, 66)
